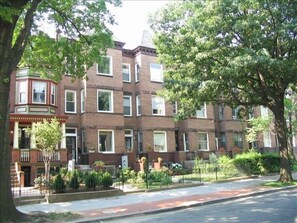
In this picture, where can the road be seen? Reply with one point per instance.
(278, 207)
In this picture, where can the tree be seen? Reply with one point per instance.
(46, 136)
(82, 37)
(232, 52)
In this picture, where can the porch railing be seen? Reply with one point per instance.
(55, 156)
(25, 155)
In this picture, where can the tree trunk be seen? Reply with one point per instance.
(281, 132)
(47, 167)
(8, 212)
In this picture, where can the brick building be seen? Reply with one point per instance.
(116, 116)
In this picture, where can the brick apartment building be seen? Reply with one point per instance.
(116, 116)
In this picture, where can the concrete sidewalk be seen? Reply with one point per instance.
(152, 202)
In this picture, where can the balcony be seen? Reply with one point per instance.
(35, 156)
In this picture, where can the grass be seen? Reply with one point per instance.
(280, 184)
(52, 217)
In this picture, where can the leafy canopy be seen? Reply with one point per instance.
(238, 52)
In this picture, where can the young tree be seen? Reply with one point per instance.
(46, 136)
(82, 37)
(235, 52)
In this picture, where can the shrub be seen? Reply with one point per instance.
(59, 185)
(74, 183)
(161, 176)
(213, 162)
(248, 162)
(106, 180)
(91, 180)
(269, 163)
(227, 166)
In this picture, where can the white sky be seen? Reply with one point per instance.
(132, 20)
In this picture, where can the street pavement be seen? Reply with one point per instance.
(136, 203)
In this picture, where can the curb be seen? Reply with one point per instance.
(256, 193)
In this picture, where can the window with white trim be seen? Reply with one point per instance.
(138, 105)
(160, 141)
(53, 94)
(127, 101)
(126, 72)
(106, 141)
(235, 113)
(39, 92)
(201, 113)
(139, 142)
(82, 100)
(22, 92)
(203, 141)
(128, 139)
(158, 105)
(238, 140)
(104, 67)
(267, 139)
(70, 101)
(156, 71)
(137, 73)
(105, 101)
(186, 141)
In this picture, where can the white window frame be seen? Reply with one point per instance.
(159, 110)
(129, 72)
(45, 92)
(202, 112)
(138, 105)
(130, 105)
(186, 142)
(53, 94)
(165, 141)
(110, 101)
(235, 113)
(156, 73)
(110, 67)
(82, 101)
(266, 139)
(74, 96)
(236, 136)
(112, 140)
(140, 142)
(137, 72)
(264, 111)
(174, 107)
(22, 91)
(129, 134)
(207, 141)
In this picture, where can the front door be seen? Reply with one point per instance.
(71, 139)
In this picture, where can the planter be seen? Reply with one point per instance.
(65, 197)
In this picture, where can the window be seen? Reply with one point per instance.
(201, 113)
(174, 107)
(24, 138)
(186, 141)
(156, 71)
(221, 112)
(83, 141)
(158, 105)
(127, 105)
(160, 144)
(138, 105)
(238, 141)
(128, 139)
(106, 141)
(267, 139)
(139, 142)
(126, 72)
(104, 67)
(70, 101)
(53, 94)
(39, 92)
(235, 113)
(137, 73)
(82, 100)
(264, 111)
(22, 92)
(105, 101)
(223, 140)
(202, 141)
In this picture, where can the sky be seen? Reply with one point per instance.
(132, 20)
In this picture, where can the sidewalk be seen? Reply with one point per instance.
(153, 202)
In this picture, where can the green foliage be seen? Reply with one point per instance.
(257, 126)
(74, 182)
(213, 162)
(227, 166)
(269, 163)
(59, 185)
(248, 162)
(91, 180)
(127, 174)
(161, 176)
(106, 180)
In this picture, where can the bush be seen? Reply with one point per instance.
(74, 183)
(59, 185)
(161, 176)
(269, 163)
(227, 166)
(248, 162)
(213, 162)
(91, 180)
(106, 180)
